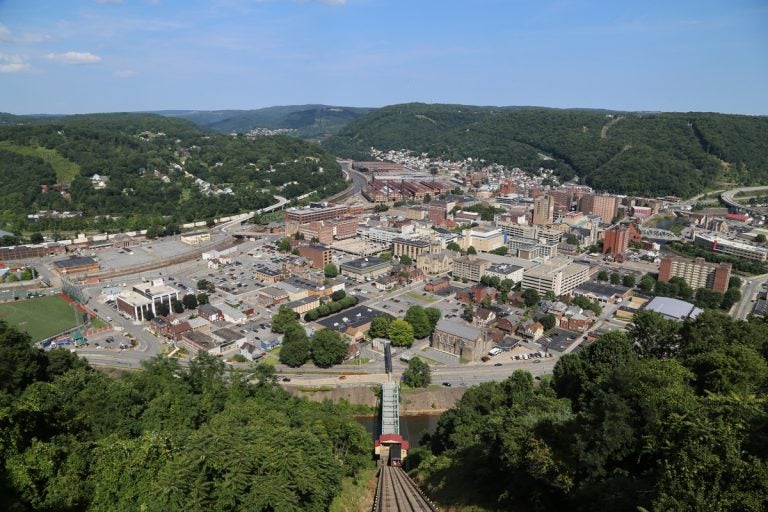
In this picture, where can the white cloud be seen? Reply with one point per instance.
(74, 58)
(6, 36)
(124, 73)
(12, 63)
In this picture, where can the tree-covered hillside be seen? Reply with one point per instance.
(152, 167)
(165, 438)
(309, 121)
(623, 152)
(670, 417)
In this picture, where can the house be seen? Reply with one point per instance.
(230, 314)
(531, 330)
(304, 305)
(509, 323)
(210, 313)
(199, 324)
(484, 317)
(459, 339)
(476, 294)
(385, 283)
(438, 285)
(251, 352)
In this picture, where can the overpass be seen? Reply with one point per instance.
(729, 198)
(395, 491)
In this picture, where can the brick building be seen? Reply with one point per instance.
(696, 272)
(319, 255)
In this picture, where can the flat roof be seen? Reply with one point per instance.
(673, 308)
(363, 263)
(75, 262)
(355, 316)
(602, 289)
(133, 298)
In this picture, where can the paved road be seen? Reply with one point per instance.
(751, 286)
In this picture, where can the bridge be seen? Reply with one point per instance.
(729, 198)
(395, 490)
(663, 235)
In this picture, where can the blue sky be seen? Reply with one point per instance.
(75, 56)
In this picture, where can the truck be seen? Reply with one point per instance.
(494, 351)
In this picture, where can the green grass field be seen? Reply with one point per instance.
(40, 318)
(65, 170)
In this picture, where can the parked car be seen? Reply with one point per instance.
(497, 364)
(447, 384)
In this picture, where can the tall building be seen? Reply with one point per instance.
(543, 210)
(606, 206)
(696, 272)
(470, 267)
(617, 238)
(559, 276)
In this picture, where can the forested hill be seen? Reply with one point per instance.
(306, 121)
(156, 171)
(164, 439)
(622, 152)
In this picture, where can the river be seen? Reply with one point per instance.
(412, 428)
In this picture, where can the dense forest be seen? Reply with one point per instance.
(313, 122)
(166, 438)
(622, 152)
(150, 164)
(669, 416)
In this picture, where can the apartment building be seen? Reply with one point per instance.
(603, 205)
(471, 268)
(319, 255)
(696, 272)
(543, 210)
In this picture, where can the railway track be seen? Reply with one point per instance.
(397, 492)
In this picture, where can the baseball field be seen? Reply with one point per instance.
(41, 318)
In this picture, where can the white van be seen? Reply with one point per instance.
(494, 351)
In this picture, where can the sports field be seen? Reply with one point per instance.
(41, 318)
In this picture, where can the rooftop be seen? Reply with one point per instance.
(461, 330)
(355, 317)
(74, 262)
(673, 308)
(363, 263)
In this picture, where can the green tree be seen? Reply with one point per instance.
(708, 298)
(734, 282)
(453, 246)
(418, 374)
(284, 245)
(283, 320)
(730, 297)
(417, 317)
(36, 238)
(760, 239)
(471, 250)
(628, 280)
(615, 278)
(177, 306)
(386, 256)
(296, 347)
(433, 314)
(328, 348)
(654, 335)
(163, 309)
(380, 326)
(531, 297)
(400, 333)
(189, 301)
(202, 298)
(330, 270)
(380, 207)
(338, 295)
(406, 260)
(602, 275)
(548, 321)
(647, 284)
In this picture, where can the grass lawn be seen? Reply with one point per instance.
(41, 318)
(65, 170)
(423, 298)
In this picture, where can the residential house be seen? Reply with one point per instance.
(531, 330)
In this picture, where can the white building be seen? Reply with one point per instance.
(559, 276)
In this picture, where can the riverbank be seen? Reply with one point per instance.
(428, 401)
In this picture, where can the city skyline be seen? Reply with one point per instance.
(138, 55)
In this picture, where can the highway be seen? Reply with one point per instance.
(751, 287)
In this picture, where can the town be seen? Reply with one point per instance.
(471, 267)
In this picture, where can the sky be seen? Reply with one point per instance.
(79, 56)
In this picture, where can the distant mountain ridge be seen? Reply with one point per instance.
(309, 121)
(643, 153)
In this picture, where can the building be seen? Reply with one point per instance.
(76, 265)
(268, 274)
(210, 313)
(483, 239)
(436, 263)
(543, 210)
(531, 248)
(603, 205)
(301, 306)
(617, 238)
(230, 314)
(470, 268)
(319, 255)
(730, 247)
(21, 252)
(603, 292)
(696, 272)
(559, 276)
(476, 294)
(196, 238)
(506, 271)
(315, 212)
(439, 284)
(353, 322)
(459, 339)
(411, 247)
(143, 298)
(319, 230)
(365, 269)
(673, 309)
